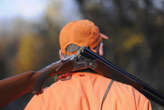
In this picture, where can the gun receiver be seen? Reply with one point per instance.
(67, 65)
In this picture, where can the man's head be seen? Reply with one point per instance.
(80, 33)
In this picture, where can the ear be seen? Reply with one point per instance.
(61, 54)
(101, 52)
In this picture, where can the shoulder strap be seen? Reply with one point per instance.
(106, 93)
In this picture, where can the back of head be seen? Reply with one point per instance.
(80, 33)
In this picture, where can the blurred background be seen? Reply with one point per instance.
(29, 32)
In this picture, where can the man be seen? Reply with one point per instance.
(86, 90)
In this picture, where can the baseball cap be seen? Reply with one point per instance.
(83, 33)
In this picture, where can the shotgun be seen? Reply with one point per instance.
(32, 81)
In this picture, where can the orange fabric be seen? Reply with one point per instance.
(81, 33)
(84, 91)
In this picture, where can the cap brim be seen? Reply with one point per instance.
(104, 36)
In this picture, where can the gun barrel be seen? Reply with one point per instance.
(112, 71)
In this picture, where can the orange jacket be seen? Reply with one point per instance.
(85, 91)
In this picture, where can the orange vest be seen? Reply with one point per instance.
(86, 91)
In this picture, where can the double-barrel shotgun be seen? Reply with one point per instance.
(31, 82)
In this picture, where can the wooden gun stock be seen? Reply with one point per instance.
(13, 87)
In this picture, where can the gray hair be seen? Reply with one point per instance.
(74, 48)
(71, 48)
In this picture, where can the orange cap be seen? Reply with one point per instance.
(83, 33)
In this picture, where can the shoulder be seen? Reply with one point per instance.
(128, 94)
(126, 90)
